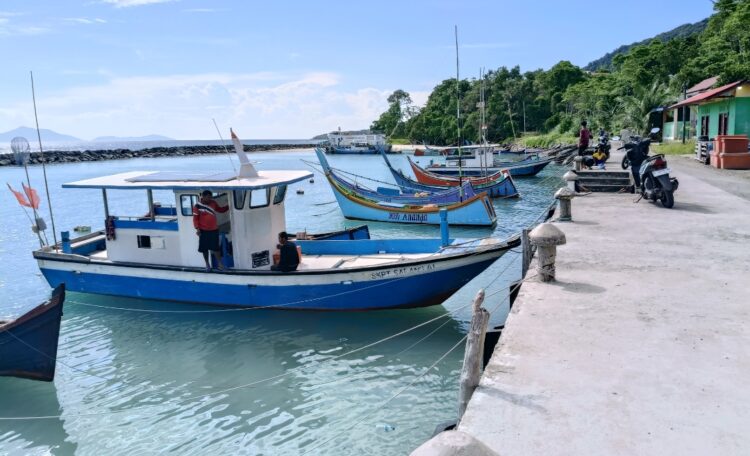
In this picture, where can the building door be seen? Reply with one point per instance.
(723, 123)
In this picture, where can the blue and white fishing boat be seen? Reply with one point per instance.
(155, 257)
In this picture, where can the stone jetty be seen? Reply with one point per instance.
(60, 156)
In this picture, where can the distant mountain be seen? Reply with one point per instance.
(132, 138)
(685, 30)
(30, 135)
(352, 132)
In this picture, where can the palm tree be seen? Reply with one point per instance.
(636, 108)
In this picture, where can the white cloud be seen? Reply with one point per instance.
(129, 3)
(85, 20)
(259, 105)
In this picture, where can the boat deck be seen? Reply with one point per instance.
(318, 262)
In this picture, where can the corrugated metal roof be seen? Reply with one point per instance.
(707, 95)
(703, 86)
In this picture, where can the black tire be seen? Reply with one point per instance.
(648, 184)
(667, 199)
(625, 162)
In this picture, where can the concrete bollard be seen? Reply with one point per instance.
(546, 237)
(564, 196)
(571, 178)
(578, 163)
(453, 443)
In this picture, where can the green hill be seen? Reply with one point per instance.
(605, 62)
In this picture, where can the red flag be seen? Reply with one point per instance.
(32, 195)
(19, 196)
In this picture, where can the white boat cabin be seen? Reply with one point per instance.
(248, 230)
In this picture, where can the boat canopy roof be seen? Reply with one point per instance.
(167, 180)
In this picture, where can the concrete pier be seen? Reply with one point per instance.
(642, 345)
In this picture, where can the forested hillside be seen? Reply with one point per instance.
(556, 100)
(685, 30)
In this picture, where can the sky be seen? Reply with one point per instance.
(282, 69)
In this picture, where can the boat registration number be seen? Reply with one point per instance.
(661, 172)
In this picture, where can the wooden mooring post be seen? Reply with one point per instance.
(472, 369)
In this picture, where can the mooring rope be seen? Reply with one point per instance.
(275, 377)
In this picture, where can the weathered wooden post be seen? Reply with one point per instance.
(571, 178)
(526, 252)
(546, 237)
(578, 163)
(564, 196)
(472, 369)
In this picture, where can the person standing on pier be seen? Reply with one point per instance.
(584, 136)
(206, 227)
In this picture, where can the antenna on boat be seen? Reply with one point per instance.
(44, 168)
(224, 145)
(458, 120)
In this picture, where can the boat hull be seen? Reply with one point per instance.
(28, 345)
(414, 284)
(515, 170)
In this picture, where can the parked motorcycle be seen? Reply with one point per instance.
(604, 144)
(653, 173)
(656, 185)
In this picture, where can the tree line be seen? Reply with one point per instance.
(556, 100)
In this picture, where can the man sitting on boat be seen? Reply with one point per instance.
(207, 229)
(288, 254)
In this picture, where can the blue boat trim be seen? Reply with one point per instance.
(146, 225)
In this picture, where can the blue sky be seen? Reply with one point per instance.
(286, 69)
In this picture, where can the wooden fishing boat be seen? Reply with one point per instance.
(356, 232)
(474, 167)
(28, 344)
(498, 185)
(441, 197)
(156, 258)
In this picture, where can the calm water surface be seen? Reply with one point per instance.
(143, 383)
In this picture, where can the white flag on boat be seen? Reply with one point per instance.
(246, 169)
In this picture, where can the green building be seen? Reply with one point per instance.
(721, 111)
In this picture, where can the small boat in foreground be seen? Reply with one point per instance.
(28, 344)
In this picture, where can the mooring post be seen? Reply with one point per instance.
(578, 163)
(546, 237)
(571, 177)
(564, 196)
(444, 236)
(472, 368)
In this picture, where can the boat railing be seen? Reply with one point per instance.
(164, 223)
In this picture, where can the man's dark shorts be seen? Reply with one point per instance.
(209, 240)
(582, 149)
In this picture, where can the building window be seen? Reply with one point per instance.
(723, 123)
(144, 242)
(187, 202)
(280, 194)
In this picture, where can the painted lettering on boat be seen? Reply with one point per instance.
(397, 216)
(406, 270)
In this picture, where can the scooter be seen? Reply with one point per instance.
(604, 144)
(655, 181)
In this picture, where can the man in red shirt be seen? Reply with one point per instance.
(204, 221)
(583, 139)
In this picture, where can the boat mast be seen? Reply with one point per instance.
(458, 120)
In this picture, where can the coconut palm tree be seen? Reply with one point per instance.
(637, 107)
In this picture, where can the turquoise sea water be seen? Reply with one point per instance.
(185, 383)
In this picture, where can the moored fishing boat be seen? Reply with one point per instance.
(498, 185)
(28, 344)
(155, 257)
(476, 166)
(441, 197)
